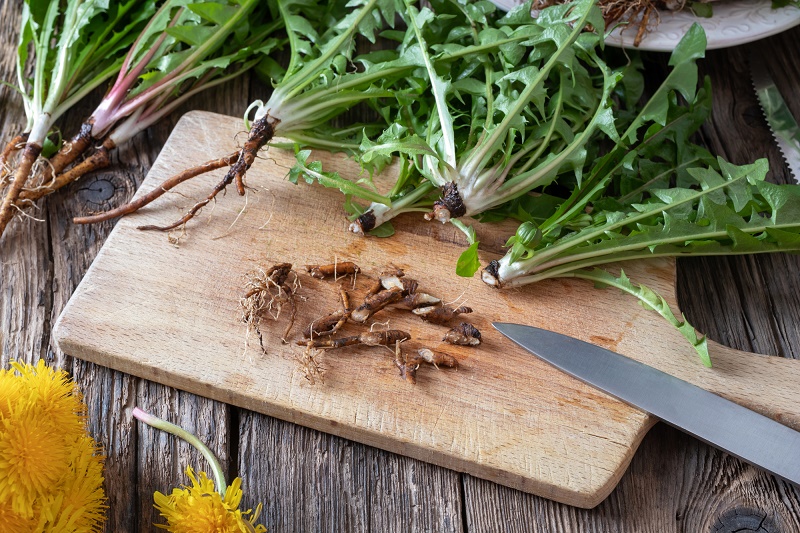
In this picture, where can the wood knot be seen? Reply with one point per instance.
(99, 191)
(744, 520)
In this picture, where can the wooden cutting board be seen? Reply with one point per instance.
(166, 308)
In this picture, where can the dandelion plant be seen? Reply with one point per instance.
(184, 49)
(317, 85)
(76, 46)
(511, 120)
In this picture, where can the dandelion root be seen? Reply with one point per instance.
(29, 155)
(175, 180)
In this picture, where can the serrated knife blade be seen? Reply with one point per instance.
(781, 122)
(748, 435)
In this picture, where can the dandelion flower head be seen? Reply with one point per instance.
(51, 473)
(198, 508)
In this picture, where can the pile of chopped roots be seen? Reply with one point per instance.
(270, 291)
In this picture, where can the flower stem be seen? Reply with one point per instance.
(163, 425)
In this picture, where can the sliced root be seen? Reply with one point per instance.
(333, 322)
(334, 269)
(374, 303)
(170, 183)
(7, 209)
(437, 359)
(440, 315)
(368, 338)
(464, 334)
(408, 366)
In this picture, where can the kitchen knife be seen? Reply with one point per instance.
(781, 122)
(752, 437)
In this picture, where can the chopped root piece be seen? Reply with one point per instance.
(438, 359)
(374, 303)
(383, 338)
(330, 324)
(327, 325)
(391, 282)
(408, 366)
(440, 315)
(175, 180)
(464, 334)
(407, 285)
(334, 269)
(368, 338)
(416, 300)
(8, 206)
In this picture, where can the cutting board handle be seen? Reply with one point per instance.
(766, 384)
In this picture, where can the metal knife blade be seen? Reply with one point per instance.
(781, 122)
(752, 437)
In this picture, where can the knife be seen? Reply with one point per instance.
(743, 433)
(781, 122)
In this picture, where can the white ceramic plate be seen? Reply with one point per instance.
(734, 22)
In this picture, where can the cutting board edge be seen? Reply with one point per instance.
(585, 497)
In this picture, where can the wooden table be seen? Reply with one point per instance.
(311, 481)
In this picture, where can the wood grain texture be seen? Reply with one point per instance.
(674, 482)
(503, 416)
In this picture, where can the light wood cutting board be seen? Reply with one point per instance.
(169, 312)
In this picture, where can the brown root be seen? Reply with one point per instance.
(408, 366)
(440, 315)
(334, 269)
(12, 146)
(417, 300)
(71, 150)
(7, 209)
(465, 334)
(260, 134)
(100, 159)
(374, 303)
(333, 322)
(368, 338)
(167, 185)
(438, 359)
(268, 292)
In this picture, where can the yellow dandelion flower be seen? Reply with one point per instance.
(80, 506)
(52, 394)
(200, 509)
(10, 391)
(34, 459)
(13, 522)
(51, 474)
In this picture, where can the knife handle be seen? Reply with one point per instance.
(769, 385)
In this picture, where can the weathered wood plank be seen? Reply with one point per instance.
(311, 481)
(675, 483)
(26, 268)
